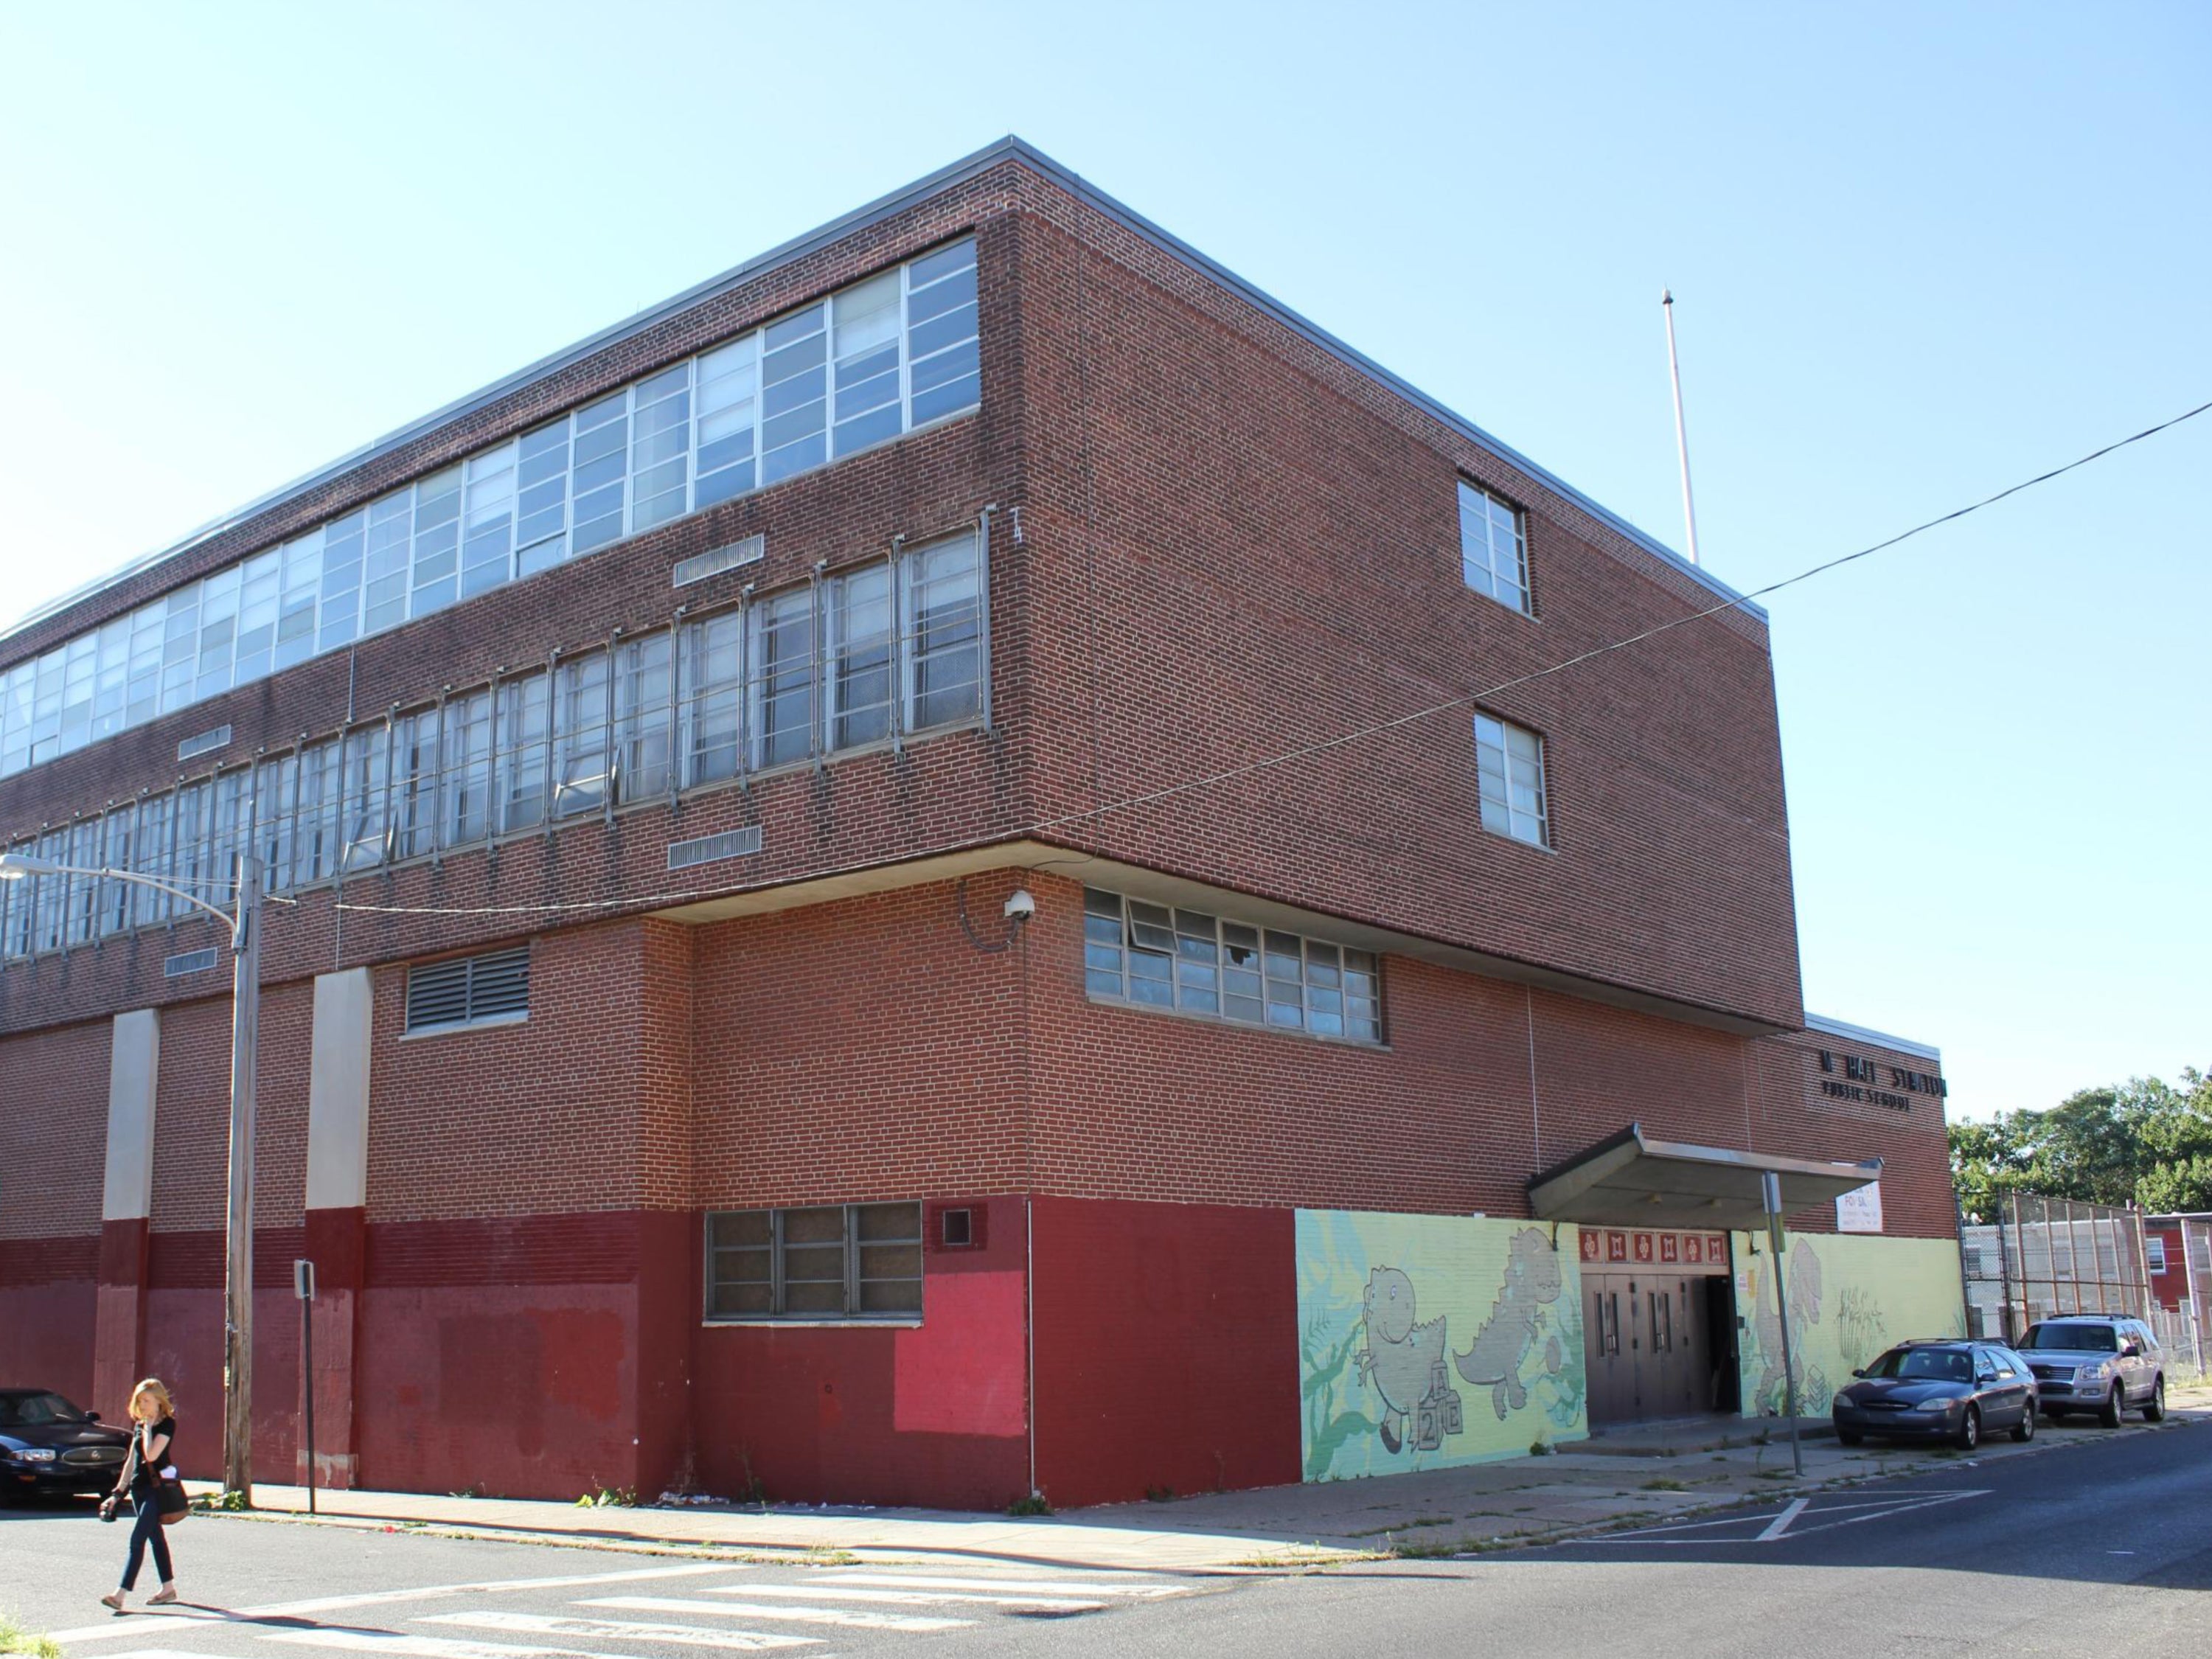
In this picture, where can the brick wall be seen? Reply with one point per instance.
(1794, 1116)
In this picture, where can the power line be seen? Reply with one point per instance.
(1357, 735)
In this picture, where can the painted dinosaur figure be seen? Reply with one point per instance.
(1804, 1311)
(1401, 1359)
(1532, 1279)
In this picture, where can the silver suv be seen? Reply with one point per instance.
(2096, 1363)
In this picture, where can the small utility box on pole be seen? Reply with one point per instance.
(303, 1287)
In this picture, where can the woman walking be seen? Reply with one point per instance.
(153, 1416)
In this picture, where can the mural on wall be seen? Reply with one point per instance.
(1850, 1296)
(1429, 1341)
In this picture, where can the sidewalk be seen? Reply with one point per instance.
(1635, 1478)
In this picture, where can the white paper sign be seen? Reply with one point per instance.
(1859, 1210)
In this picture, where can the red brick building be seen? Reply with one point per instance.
(642, 756)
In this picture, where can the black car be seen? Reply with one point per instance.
(1952, 1391)
(48, 1445)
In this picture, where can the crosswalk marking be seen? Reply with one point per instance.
(827, 1592)
(852, 1617)
(1035, 1586)
(420, 1647)
(617, 1630)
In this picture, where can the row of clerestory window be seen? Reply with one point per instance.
(883, 357)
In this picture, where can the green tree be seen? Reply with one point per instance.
(2142, 1141)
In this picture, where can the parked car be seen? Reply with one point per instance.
(2100, 1363)
(48, 1445)
(1939, 1390)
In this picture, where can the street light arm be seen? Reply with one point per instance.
(221, 915)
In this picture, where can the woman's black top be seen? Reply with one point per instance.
(143, 1473)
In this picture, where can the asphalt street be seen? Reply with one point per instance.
(2097, 1546)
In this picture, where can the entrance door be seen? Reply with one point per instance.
(1678, 1377)
(1612, 1332)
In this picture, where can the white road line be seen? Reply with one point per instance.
(536, 1624)
(135, 1624)
(832, 1592)
(420, 1647)
(1038, 1586)
(1780, 1524)
(848, 1616)
(1799, 1526)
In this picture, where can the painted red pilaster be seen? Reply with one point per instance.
(119, 1342)
(337, 1243)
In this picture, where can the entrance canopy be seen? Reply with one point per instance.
(1632, 1180)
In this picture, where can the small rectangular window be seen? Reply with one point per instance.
(482, 990)
(833, 1262)
(1509, 779)
(2155, 1252)
(1493, 548)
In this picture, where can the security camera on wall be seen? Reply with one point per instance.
(1020, 905)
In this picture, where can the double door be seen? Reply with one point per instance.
(1647, 1339)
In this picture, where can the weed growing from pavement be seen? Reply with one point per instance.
(609, 1497)
(14, 1638)
(1033, 1505)
(1662, 1484)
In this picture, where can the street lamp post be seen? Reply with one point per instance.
(243, 920)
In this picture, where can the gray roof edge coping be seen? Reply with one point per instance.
(1844, 1028)
(860, 218)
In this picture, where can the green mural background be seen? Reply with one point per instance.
(1850, 1296)
(1427, 1341)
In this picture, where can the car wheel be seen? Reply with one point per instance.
(2155, 1407)
(2108, 1412)
(1849, 1438)
(1969, 1434)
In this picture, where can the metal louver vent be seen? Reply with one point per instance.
(705, 850)
(715, 560)
(206, 743)
(469, 990)
(187, 961)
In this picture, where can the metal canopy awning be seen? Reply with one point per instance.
(1632, 1180)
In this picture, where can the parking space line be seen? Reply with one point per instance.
(1780, 1524)
(853, 1617)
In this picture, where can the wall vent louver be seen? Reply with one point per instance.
(715, 560)
(729, 844)
(205, 744)
(187, 961)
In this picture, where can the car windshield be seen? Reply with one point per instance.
(2077, 1338)
(1926, 1364)
(30, 1411)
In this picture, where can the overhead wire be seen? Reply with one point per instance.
(1302, 751)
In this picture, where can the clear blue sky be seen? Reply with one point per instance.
(1919, 253)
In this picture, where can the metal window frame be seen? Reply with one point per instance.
(850, 1247)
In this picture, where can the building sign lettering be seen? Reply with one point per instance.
(1874, 1084)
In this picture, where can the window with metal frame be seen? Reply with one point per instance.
(942, 650)
(1493, 547)
(832, 1261)
(887, 355)
(492, 989)
(1199, 964)
(1509, 764)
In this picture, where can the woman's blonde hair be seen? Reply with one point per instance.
(152, 1389)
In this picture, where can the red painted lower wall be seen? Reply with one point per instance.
(48, 1307)
(934, 1414)
(1166, 1348)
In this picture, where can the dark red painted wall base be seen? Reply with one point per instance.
(935, 1415)
(1166, 1348)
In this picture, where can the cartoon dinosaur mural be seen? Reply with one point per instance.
(1406, 1363)
(1532, 1279)
(1804, 1309)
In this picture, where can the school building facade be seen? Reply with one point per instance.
(941, 868)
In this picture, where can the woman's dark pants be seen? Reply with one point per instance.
(148, 1531)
